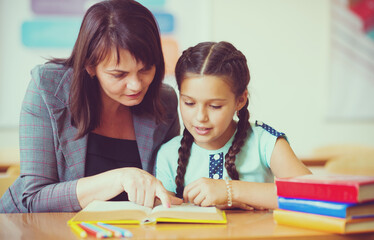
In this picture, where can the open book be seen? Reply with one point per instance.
(125, 212)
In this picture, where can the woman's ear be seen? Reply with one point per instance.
(91, 71)
(242, 100)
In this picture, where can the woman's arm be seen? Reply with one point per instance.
(42, 189)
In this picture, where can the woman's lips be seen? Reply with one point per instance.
(136, 95)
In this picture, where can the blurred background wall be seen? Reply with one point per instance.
(287, 44)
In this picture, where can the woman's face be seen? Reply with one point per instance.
(125, 82)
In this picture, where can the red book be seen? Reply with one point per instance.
(364, 9)
(336, 188)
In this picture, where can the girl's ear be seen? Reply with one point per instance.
(91, 71)
(241, 101)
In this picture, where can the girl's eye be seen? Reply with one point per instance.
(189, 103)
(215, 106)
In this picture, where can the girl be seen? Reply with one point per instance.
(212, 80)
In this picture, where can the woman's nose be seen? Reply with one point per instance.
(134, 83)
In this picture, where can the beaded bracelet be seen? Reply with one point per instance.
(229, 192)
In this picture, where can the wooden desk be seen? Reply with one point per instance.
(241, 225)
(314, 161)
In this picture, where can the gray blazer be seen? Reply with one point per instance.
(51, 160)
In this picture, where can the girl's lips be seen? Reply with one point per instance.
(202, 131)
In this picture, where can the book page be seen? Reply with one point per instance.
(185, 207)
(112, 211)
(107, 206)
(187, 211)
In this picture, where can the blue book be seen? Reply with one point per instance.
(333, 209)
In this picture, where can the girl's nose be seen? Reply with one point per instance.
(202, 115)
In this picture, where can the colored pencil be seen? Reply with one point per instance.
(91, 230)
(78, 230)
(114, 233)
(124, 232)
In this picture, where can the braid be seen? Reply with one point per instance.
(184, 153)
(232, 60)
(237, 144)
(234, 56)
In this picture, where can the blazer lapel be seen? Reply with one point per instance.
(144, 131)
(74, 151)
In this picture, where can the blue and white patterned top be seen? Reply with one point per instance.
(216, 165)
(270, 129)
(252, 163)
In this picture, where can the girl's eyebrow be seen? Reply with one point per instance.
(211, 100)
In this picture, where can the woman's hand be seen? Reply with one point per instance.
(143, 188)
(174, 200)
(206, 192)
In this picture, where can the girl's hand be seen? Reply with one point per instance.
(206, 192)
(236, 205)
(143, 188)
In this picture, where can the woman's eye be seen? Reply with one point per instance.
(145, 69)
(121, 75)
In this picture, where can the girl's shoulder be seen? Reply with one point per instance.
(168, 151)
(173, 143)
(263, 134)
(261, 142)
(261, 129)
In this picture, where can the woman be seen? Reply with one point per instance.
(91, 124)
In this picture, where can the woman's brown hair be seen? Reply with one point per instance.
(215, 59)
(108, 25)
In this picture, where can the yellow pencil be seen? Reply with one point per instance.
(78, 230)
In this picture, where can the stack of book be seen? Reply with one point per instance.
(332, 203)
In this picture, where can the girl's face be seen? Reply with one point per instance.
(207, 106)
(125, 83)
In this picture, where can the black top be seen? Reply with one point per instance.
(105, 153)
